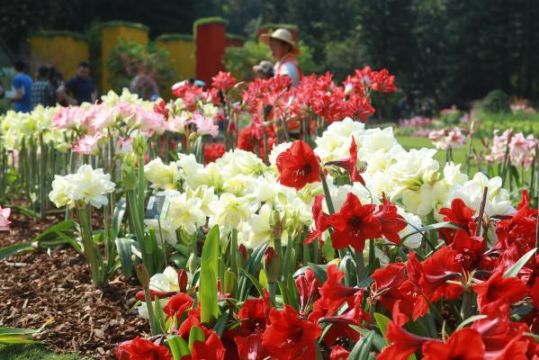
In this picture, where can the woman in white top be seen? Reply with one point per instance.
(284, 51)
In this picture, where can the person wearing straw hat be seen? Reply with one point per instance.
(284, 51)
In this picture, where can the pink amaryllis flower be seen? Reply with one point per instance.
(4, 219)
(204, 125)
(522, 150)
(88, 144)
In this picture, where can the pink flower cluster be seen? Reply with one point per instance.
(444, 139)
(415, 122)
(521, 148)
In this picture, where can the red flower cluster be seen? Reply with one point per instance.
(213, 152)
(223, 81)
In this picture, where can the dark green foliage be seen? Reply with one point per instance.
(497, 101)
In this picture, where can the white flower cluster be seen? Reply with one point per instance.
(412, 178)
(86, 186)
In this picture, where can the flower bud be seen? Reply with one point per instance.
(182, 280)
(244, 254)
(129, 176)
(276, 224)
(139, 145)
(272, 264)
(143, 276)
(231, 281)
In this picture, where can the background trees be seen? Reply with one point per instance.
(450, 51)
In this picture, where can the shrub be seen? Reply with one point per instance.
(497, 101)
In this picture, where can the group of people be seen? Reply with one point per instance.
(48, 88)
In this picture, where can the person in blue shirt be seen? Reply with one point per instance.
(80, 88)
(22, 88)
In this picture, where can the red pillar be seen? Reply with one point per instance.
(210, 47)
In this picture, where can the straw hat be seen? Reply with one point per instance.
(280, 34)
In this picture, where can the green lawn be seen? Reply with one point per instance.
(459, 155)
(32, 352)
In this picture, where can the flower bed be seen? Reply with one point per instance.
(295, 232)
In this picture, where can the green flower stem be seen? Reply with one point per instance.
(90, 250)
(42, 178)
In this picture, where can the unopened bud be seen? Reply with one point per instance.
(139, 145)
(272, 264)
(129, 176)
(182, 280)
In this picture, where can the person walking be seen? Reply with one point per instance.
(43, 92)
(80, 88)
(22, 88)
(284, 51)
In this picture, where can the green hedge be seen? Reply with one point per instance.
(125, 24)
(168, 37)
(56, 33)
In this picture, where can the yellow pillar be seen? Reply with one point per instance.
(110, 33)
(62, 49)
(181, 48)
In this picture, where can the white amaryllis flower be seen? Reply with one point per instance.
(230, 211)
(471, 192)
(167, 281)
(184, 213)
(162, 176)
(87, 186)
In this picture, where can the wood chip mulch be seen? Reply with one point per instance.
(38, 286)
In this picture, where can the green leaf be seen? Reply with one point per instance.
(515, 269)
(178, 347)
(209, 266)
(14, 249)
(15, 339)
(25, 211)
(195, 335)
(123, 247)
(382, 321)
(361, 350)
(318, 269)
(378, 341)
(424, 229)
(254, 281)
(117, 217)
(470, 320)
(252, 266)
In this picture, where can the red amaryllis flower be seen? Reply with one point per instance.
(254, 314)
(402, 343)
(338, 353)
(396, 287)
(470, 248)
(502, 337)
(250, 347)
(320, 220)
(289, 337)
(459, 214)
(390, 221)
(332, 294)
(213, 152)
(435, 272)
(141, 349)
(497, 287)
(223, 81)
(307, 285)
(178, 304)
(298, 165)
(383, 81)
(210, 349)
(354, 224)
(350, 164)
(463, 344)
(161, 108)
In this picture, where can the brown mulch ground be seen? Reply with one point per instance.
(37, 286)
